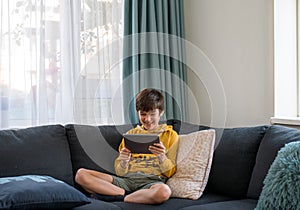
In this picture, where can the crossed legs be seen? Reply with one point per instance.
(101, 183)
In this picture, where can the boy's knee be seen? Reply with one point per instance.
(80, 175)
(162, 194)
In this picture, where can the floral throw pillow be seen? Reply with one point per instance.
(194, 159)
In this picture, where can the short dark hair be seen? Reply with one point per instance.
(149, 99)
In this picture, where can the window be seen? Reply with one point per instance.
(286, 57)
(57, 61)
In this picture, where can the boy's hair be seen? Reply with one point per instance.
(149, 99)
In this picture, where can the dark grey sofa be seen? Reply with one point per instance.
(241, 160)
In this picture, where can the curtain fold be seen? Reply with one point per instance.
(60, 62)
(154, 55)
(70, 59)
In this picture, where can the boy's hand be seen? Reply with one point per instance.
(159, 150)
(124, 156)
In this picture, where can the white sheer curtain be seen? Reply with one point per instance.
(60, 62)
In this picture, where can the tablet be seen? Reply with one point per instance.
(139, 143)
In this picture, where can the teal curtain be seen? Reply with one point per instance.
(154, 56)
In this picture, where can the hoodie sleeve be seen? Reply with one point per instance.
(168, 167)
(120, 171)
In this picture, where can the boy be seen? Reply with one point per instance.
(141, 177)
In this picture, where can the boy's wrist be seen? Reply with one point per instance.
(124, 164)
(162, 158)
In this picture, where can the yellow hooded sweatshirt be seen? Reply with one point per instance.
(149, 163)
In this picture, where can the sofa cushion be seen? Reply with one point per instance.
(42, 150)
(194, 158)
(282, 184)
(276, 137)
(174, 203)
(95, 147)
(97, 205)
(234, 159)
(245, 204)
(184, 127)
(38, 192)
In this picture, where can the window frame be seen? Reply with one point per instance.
(286, 63)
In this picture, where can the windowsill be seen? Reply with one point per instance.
(285, 120)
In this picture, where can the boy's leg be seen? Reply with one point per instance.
(156, 194)
(97, 182)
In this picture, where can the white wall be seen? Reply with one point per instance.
(237, 37)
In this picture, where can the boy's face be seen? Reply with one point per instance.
(150, 119)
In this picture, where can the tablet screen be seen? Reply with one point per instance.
(139, 143)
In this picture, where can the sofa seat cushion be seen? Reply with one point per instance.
(41, 150)
(38, 192)
(245, 204)
(97, 205)
(276, 137)
(175, 203)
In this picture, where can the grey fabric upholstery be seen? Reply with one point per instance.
(233, 161)
(241, 160)
(276, 137)
(246, 204)
(42, 150)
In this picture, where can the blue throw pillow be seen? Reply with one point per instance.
(282, 184)
(38, 192)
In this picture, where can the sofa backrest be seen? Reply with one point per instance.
(234, 156)
(95, 147)
(42, 150)
(234, 160)
(184, 127)
(241, 159)
(276, 137)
